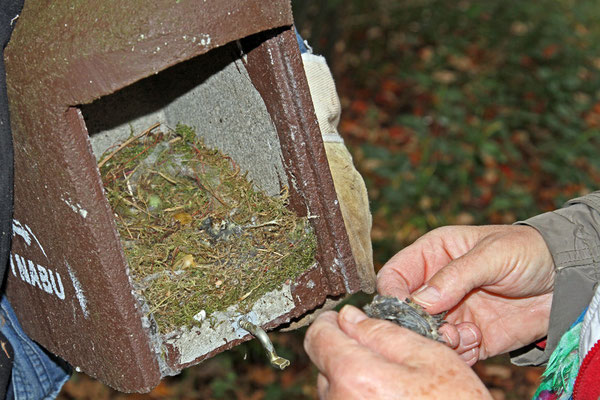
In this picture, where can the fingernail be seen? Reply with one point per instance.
(352, 314)
(467, 356)
(448, 340)
(426, 295)
(468, 337)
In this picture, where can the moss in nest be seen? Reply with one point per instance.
(196, 233)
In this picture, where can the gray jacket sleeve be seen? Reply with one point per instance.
(572, 234)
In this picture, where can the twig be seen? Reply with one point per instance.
(244, 297)
(174, 208)
(268, 223)
(170, 180)
(125, 225)
(125, 143)
(156, 307)
(136, 206)
(127, 178)
(209, 190)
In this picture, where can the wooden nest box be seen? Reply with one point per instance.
(81, 77)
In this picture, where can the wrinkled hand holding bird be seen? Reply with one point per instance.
(496, 282)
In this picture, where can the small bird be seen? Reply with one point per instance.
(220, 230)
(407, 314)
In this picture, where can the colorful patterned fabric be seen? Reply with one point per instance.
(560, 374)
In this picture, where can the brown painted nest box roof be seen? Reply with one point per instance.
(83, 75)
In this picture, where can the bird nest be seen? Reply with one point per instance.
(198, 236)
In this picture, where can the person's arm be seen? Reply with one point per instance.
(572, 235)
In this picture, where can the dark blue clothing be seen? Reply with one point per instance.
(36, 374)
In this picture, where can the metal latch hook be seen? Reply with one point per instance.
(261, 335)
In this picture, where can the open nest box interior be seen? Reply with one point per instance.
(170, 181)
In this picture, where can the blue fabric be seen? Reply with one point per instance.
(581, 317)
(35, 374)
(301, 44)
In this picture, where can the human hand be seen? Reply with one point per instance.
(497, 282)
(364, 358)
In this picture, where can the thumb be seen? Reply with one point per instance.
(383, 337)
(447, 287)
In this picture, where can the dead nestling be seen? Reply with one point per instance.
(407, 314)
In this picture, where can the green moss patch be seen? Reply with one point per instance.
(196, 233)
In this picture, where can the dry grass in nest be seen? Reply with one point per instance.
(196, 233)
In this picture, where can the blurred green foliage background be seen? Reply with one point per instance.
(456, 112)
(463, 111)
